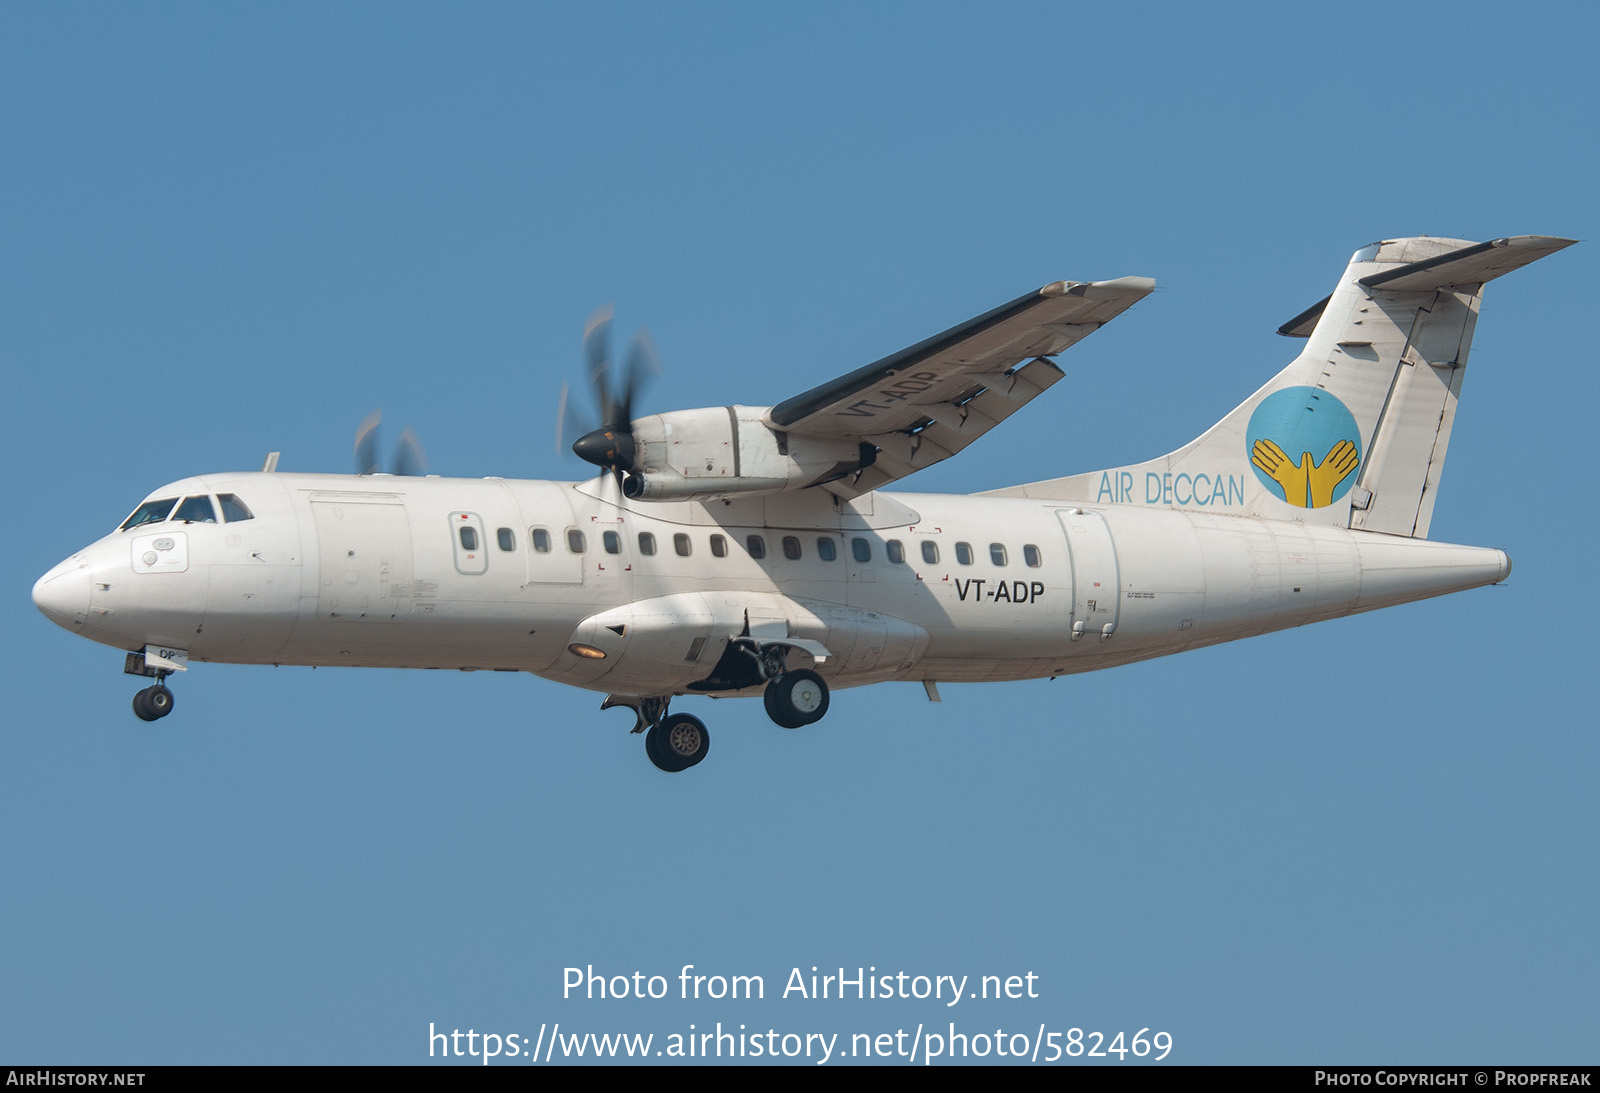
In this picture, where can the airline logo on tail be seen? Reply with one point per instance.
(1305, 446)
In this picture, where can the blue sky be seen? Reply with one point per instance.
(234, 229)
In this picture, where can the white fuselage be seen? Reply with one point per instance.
(378, 571)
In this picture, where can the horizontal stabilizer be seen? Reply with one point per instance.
(1465, 266)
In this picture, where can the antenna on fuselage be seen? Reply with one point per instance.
(271, 463)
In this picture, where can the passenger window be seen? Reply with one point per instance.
(506, 538)
(469, 537)
(612, 541)
(757, 546)
(196, 510)
(791, 548)
(826, 549)
(997, 553)
(233, 509)
(541, 540)
(930, 552)
(719, 547)
(647, 543)
(575, 541)
(897, 551)
(151, 512)
(1030, 555)
(681, 544)
(861, 550)
(964, 553)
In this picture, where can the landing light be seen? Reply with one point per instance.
(587, 651)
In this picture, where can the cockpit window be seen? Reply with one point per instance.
(196, 510)
(233, 509)
(151, 512)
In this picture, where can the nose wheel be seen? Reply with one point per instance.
(153, 703)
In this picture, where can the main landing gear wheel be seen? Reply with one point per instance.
(796, 698)
(152, 703)
(677, 743)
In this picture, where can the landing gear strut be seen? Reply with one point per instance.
(648, 710)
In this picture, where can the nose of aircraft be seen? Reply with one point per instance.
(63, 593)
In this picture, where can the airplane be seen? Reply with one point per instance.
(738, 550)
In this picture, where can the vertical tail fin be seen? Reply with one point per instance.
(1353, 433)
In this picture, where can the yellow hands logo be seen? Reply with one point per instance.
(1307, 484)
(1305, 420)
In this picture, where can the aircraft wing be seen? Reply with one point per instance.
(925, 403)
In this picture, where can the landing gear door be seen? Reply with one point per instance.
(1096, 586)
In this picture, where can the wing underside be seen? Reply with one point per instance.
(927, 402)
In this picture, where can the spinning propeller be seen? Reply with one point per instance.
(609, 444)
(408, 456)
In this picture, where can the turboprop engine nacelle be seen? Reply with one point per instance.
(723, 450)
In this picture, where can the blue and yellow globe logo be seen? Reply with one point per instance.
(1305, 446)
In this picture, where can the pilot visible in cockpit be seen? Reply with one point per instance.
(197, 509)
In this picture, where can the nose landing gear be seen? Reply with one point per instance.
(153, 703)
(677, 742)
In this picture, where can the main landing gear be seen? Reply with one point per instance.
(673, 743)
(796, 698)
(677, 743)
(793, 697)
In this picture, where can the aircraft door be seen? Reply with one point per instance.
(472, 553)
(1096, 585)
(364, 561)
